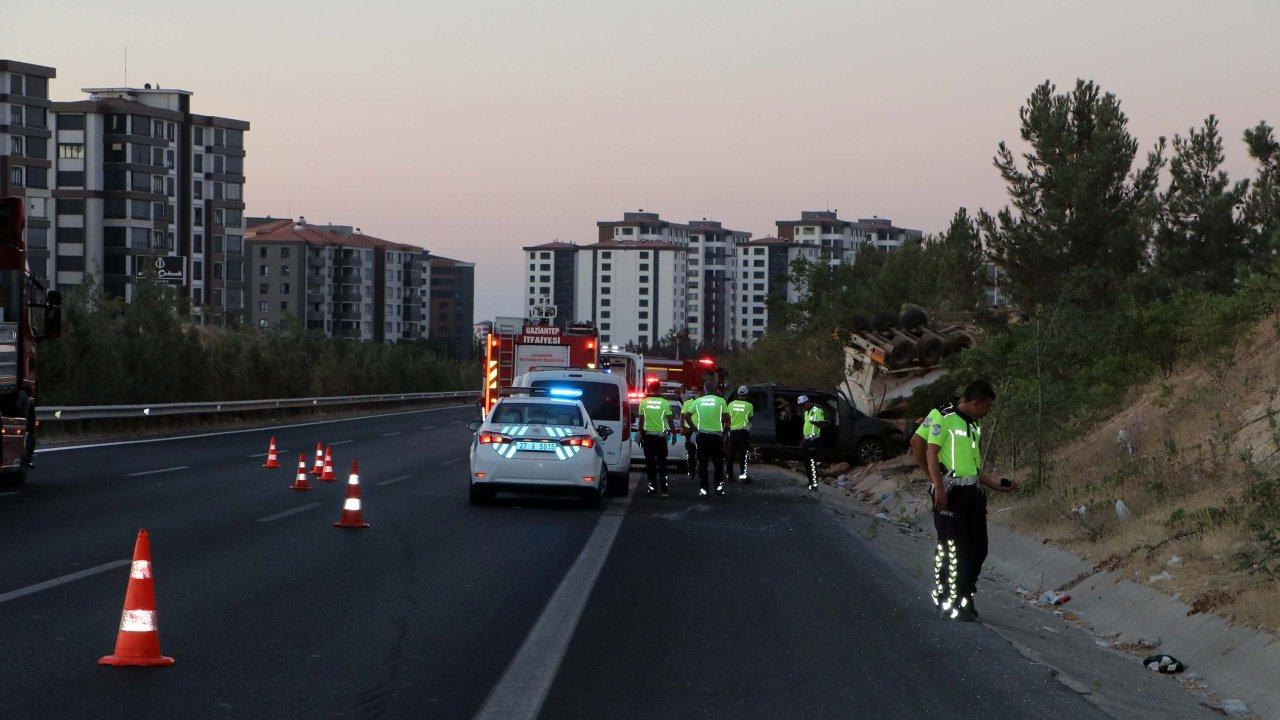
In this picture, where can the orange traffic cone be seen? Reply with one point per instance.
(318, 468)
(300, 480)
(272, 460)
(352, 515)
(328, 465)
(138, 642)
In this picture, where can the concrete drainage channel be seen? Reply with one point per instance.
(1096, 642)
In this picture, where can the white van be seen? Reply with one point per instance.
(605, 397)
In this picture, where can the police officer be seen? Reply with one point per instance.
(709, 418)
(954, 457)
(657, 424)
(815, 420)
(740, 413)
(919, 445)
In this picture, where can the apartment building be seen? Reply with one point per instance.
(451, 305)
(764, 271)
(712, 288)
(883, 235)
(144, 186)
(552, 270)
(838, 240)
(27, 150)
(335, 281)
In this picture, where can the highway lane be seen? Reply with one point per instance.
(753, 605)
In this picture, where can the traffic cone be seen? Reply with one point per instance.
(138, 642)
(328, 465)
(300, 481)
(318, 468)
(272, 460)
(352, 515)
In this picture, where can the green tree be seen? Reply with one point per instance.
(1081, 215)
(1201, 240)
(1262, 205)
(961, 266)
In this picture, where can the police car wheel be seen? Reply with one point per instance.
(592, 499)
(481, 495)
(618, 484)
(870, 451)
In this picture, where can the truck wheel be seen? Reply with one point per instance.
(913, 318)
(870, 450)
(859, 323)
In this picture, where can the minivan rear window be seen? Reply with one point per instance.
(602, 400)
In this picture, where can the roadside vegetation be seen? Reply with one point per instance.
(1138, 362)
(151, 351)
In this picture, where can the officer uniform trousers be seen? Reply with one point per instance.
(710, 450)
(739, 446)
(962, 544)
(655, 458)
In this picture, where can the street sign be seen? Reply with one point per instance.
(168, 270)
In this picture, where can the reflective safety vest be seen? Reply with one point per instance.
(707, 412)
(654, 413)
(934, 416)
(959, 442)
(812, 416)
(740, 412)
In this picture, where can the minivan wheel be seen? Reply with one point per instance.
(871, 450)
(618, 484)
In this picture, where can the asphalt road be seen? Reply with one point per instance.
(755, 605)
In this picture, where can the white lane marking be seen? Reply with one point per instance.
(278, 452)
(12, 492)
(429, 427)
(390, 434)
(394, 480)
(523, 688)
(157, 472)
(287, 513)
(171, 438)
(449, 462)
(338, 442)
(28, 590)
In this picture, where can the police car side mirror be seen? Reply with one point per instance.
(474, 425)
(605, 431)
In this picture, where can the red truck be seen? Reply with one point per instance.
(28, 315)
(516, 346)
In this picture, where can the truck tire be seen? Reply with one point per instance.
(901, 350)
(870, 450)
(883, 321)
(913, 318)
(859, 323)
(929, 350)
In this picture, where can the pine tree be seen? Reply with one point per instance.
(961, 265)
(1081, 214)
(1201, 239)
(1262, 205)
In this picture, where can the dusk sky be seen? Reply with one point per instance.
(473, 128)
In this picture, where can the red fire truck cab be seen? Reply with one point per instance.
(518, 345)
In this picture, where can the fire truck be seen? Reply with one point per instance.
(516, 346)
(28, 315)
(689, 373)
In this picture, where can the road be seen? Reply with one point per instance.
(755, 605)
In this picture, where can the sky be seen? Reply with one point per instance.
(475, 128)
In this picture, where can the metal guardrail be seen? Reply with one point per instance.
(124, 412)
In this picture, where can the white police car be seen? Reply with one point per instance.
(538, 445)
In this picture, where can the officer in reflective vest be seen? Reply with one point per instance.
(954, 457)
(657, 424)
(709, 418)
(740, 413)
(815, 420)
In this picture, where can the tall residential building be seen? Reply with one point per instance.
(552, 278)
(27, 150)
(632, 283)
(764, 272)
(146, 186)
(838, 240)
(712, 295)
(884, 236)
(451, 304)
(335, 281)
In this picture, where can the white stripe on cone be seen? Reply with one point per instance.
(351, 505)
(138, 621)
(140, 570)
(353, 480)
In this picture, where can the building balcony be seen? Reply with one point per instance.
(316, 262)
(348, 315)
(351, 297)
(347, 333)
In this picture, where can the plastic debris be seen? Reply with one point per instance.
(1166, 664)
(1053, 597)
(1080, 511)
(1175, 561)
(1160, 578)
(1122, 511)
(1234, 708)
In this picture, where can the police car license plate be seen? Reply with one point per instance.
(536, 446)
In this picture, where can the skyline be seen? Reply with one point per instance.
(473, 131)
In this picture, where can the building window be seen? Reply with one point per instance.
(263, 288)
(262, 306)
(284, 253)
(197, 163)
(284, 288)
(217, 271)
(197, 135)
(264, 271)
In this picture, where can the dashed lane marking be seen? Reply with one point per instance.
(11, 492)
(523, 688)
(390, 434)
(394, 480)
(339, 442)
(31, 589)
(162, 470)
(287, 513)
(449, 462)
(429, 427)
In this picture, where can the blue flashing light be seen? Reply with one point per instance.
(564, 392)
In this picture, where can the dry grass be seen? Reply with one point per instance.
(1180, 455)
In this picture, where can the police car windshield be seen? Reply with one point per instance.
(514, 412)
(602, 400)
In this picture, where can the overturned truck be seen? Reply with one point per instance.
(888, 357)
